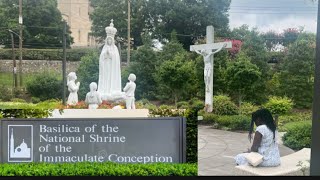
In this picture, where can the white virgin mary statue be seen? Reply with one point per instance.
(109, 84)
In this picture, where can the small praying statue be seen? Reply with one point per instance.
(93, 98)
(129, 90)
(73, 88)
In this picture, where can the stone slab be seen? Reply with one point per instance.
(100, 113)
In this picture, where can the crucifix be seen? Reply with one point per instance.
(207, 51)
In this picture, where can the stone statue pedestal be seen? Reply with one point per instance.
(114, 97)
(100, 113)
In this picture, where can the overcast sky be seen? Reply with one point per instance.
(274, 14)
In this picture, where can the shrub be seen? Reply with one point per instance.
(296, 117)
(98, 169)
(145, 104)
(279, 105)
(192, 128)
(5, 93)
(45, 54)
(209, 118)
(49, 104)
(183, 105)
(18, 100)
(25, 113)
(45, 86)
(88, 72)
(298, 135)
(235, 122)
(247, 108)
(222, 105)
(35, 100)
(196, 104)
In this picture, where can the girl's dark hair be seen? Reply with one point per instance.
(266, 117)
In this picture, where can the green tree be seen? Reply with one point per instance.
(105, 10)
(254, 47)
(297, 71)
(290, 35)
(272, 39)
(176, 75)
(161, 17)
(143, 64)
(42, 23)
(88, 72)
(241, 76)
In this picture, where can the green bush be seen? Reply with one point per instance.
(98, 169)
(192, 128)
(49, 104)
(46, 54)
(209, 118)
(45, 86)
(222, 105)
(196, 104)
(183, 105)
(25, 113)
(88, 72)
(296, 117)
(279, 105)
(17, 100)
(5, 93)
(145, 104)
(298, 135)
(35, 100)
(235, 122)
(247, 108)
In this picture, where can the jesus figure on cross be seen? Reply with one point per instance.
(207, 51)
(207, 64)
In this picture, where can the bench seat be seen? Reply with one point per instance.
(289, 166)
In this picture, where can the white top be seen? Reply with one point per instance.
(269, 147)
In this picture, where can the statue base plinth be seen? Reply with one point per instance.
(114, 97)
(100, 113)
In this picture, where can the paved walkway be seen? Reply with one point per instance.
(216, 149)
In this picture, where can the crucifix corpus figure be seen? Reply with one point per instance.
(207, 51)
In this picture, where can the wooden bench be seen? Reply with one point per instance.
(289, 166)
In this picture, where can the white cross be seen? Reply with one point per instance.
(207, 51)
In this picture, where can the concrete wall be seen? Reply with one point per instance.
(31, 66)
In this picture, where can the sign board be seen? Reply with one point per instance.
(122, 140)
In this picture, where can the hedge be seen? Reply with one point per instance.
(296, 117)
(234, 123)
(298, 135)
(46, 54)
(98, 169)
(49, 104)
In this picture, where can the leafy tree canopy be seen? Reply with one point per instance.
(188, 18)
(42, 23)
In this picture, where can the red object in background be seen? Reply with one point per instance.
(236, 46)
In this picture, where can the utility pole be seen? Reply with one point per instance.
(315, 143)
(20, 41)
(15, 80)
(64, 63)
(129, 12)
